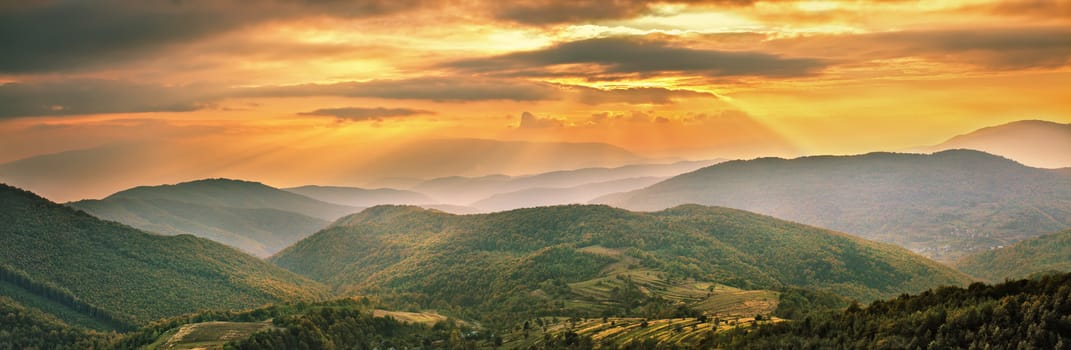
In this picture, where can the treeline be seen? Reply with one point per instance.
(64, 297)
(24, 328)
(348, 328)
(1025, 314)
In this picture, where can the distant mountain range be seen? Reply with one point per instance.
(941, 205)
(105, 275)
(1035, 143)
(360, 197)
(254, 217)
(1048, 253)
(468, 190)
(531, 261)
(97, 171)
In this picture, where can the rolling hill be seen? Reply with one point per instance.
(592, 260)
(361, 197)
(251, 216)
(119, 276)
(1035, 143)
(942, 205)
(1047, 253)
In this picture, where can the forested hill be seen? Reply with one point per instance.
(57, 257)
(1047, 253)
(1025, 314)
(530, 260)
(942, 205)
(251, 216)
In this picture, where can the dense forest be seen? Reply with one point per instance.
(566, 260)
(1023, 314)
(73, 259)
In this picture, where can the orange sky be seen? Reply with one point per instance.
(251, 88)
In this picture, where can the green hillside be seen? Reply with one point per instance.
(595, 260)
(82, 263)
(942, 205)
(256, 218)
(1020, 260)
(25, 328)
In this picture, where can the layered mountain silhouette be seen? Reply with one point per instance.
(460, 190)
(941, 205)
(254, 217)
(1034, 143)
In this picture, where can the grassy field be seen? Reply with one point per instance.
(596, 295)
(208, 335)
(425, 318)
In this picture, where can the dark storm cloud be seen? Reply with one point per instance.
(435, 89)
(642, 56)
(86, 96)
(65, 35)
(363, 114)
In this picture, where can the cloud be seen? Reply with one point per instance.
(65, 35)
(363, 114)
(435, 89)
(993, 48)
(643, 95)
(620, 55)
(530, 121)
(541, 12)
(91, 96)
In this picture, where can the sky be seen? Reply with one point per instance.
(285, 91)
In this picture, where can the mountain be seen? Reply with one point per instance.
(592, 260)
(1019, 314)
(360, 197)
(251, 216)
(941, 205)
(466, 190)
(1035, 143)
(1020, 260)
(119, 276)
(543, 196)
(475, 157)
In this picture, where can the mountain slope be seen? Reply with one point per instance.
(941, 205)
(254, 217)
(360, 197)
(1035, 143)
(529, 260)
(131, 274)
(1041, 254)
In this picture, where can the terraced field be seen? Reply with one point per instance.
(208, 335)
(424, 318)
(616, 332)
(597, 295)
